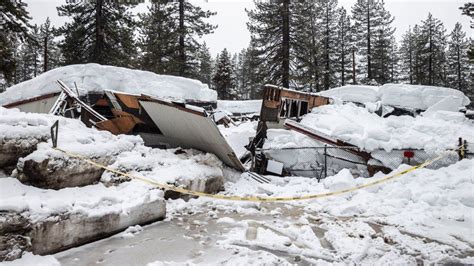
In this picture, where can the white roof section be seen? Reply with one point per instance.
(95, 77)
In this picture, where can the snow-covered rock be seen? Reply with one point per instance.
(94, 77)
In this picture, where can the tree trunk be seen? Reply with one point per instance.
(45, 53)
(99, 34)
(326, 74)
(285, 79)
(182, 53)
(430, 61)
(458, 61)
(353, 67)
(369, 65)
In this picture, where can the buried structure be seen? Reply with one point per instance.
(115, 202)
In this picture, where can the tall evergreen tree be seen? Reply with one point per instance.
(468, 10)
(432, 46)
(205, 65)
(344, 47)
(191, 24)
(307, 46)
(269, 26)
(158, 35)
(224, 77)
(457, 60)
(50, 53)
(373, 32)
(14, 27)
(100, 32)
(329, 23)
(407, 57)
(28, 57)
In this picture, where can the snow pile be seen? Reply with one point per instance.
(14, 124)
(354, 93)
(433, 132)
(93, 200)
(94, 77)
(240, 107)
(74, 136)
(239, 136)
(164, 166)
(418, 97)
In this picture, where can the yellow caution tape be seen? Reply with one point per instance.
(251, 198)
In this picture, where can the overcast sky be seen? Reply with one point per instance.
(231, 18)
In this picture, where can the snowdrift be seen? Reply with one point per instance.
(94, 78)
(432, 131)
(418, 97)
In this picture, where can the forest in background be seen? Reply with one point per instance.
(305, 45)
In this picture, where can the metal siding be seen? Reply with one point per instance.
(191, 130)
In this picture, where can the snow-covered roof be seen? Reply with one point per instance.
(400, 95)
(432, 131)
(95, 77)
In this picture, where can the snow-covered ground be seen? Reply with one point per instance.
(94, 77)
(425, 215)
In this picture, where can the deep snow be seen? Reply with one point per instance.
(95, 77)
(400, 95)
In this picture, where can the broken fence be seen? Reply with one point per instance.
(323, 161)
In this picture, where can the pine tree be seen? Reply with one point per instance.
(205, 65)
(269, 27)
(373, 32)
(329, 23)
(224, 77)
(51, 55)
(407, 57)
(457, 60)
(307, 46)
(432, 48)
(14, 28)
(344, 47)
(100, 32)
(29, 54)
(158, 37)
(468, 10)
(191, 24)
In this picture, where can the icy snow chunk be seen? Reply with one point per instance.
(95, 77)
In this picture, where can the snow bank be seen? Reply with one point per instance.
(191, 169)
(74, 136)
(401, 95)
(240, 107)
(94, 77)
(438, 131)
(93, 200)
